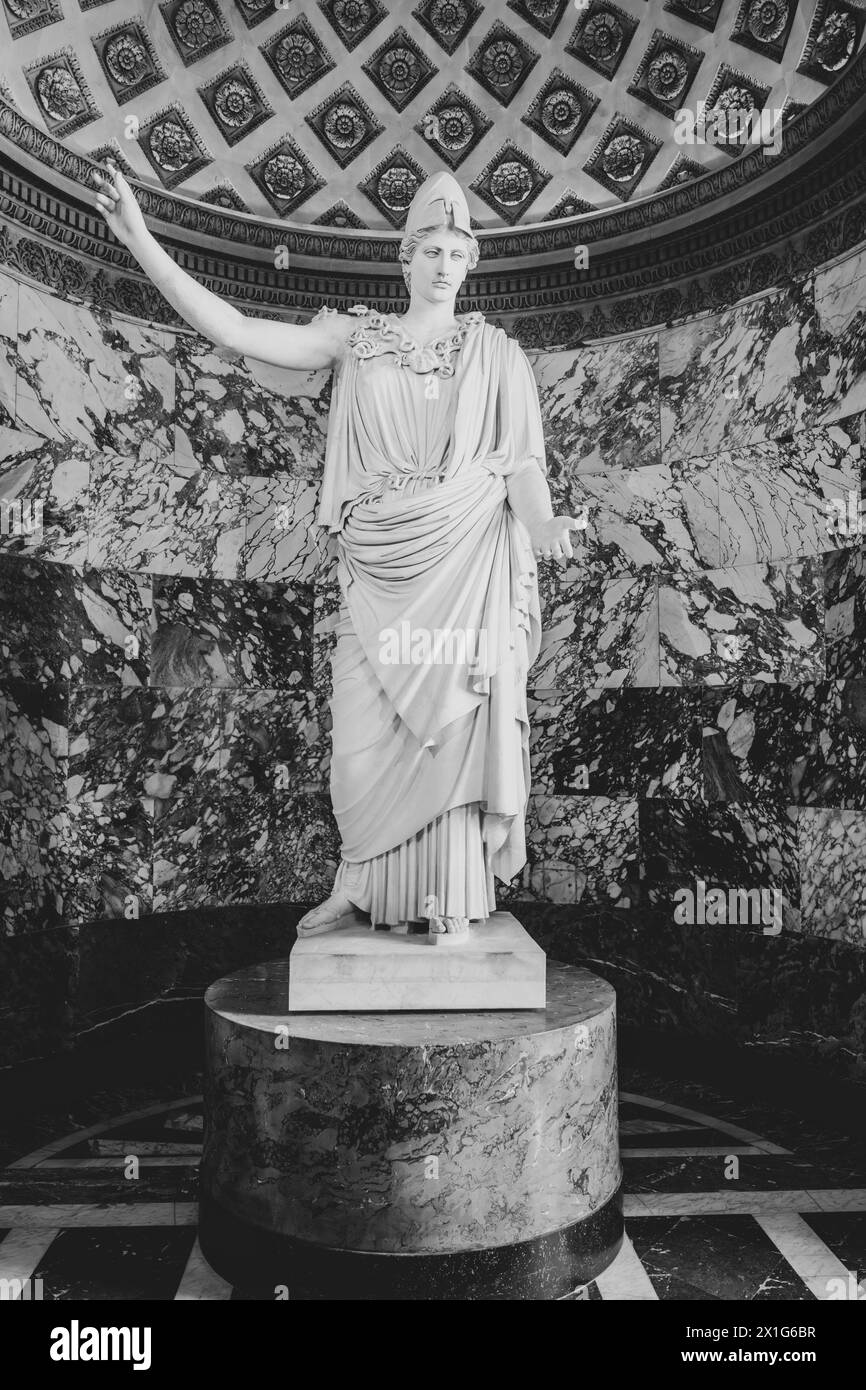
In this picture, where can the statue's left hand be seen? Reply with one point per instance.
(551, 539)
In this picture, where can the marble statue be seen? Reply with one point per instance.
(434, 489)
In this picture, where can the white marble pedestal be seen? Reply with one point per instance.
(358, 970)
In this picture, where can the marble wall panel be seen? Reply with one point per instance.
(39, 855)
(272, 742)
(653, 517)
(59, 623)
(600, 405)
(37, 981)
(278, 850)
(761, 622)
(776, 500)
(729, 846)
(189, 850)
(36, 847)
(169, 516)
(279, 539)
(39, 613)
(804, 997)
(798, 745)
(44, 496)
(844, 577)
(598, 629)
(217, 632)
(183, 744)
(8, 347)
(86, 375)
(666, 975)
(326, 609)
(739, 377)
(582, 850)
(832, 846)
(34, 739)
(113, 832)
(840, 305)
(618, 743)
(246, 417)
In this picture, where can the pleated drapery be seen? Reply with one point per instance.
(430, 761)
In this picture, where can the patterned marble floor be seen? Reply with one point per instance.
(714, 1209)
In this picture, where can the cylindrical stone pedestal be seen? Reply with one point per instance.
(409, 1155)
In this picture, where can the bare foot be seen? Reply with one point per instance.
(449, 926)
(335, 912)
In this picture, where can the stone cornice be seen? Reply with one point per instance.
(753, 223)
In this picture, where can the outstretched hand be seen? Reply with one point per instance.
(551, 539)
(118, 205)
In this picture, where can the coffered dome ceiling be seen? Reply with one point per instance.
(330, 113)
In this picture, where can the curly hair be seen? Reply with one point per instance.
(409, 245)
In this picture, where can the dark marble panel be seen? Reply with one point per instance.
(44, 496)
(840, 304)
(241, 417)
(39, 612)
(113, 830)
(125, 965)
(598, 629)
(805, 998)
(326, 608)
(86, 375)
(272, 742)
(168, 516)
(111, 643)
(278, 848)
(764, 622)
(666, 975)
(156, 963)
(116, 1265)
(845, 611)
(622, 743)
(741, 376)
(784, 499)
(729, 846)
(600, 405)
(34, 740)
(279, 540)
(189, 849)
(709, 1258)
(37, 974)
(581, 849)
(58, 623)
(832, 847)
(801, 745)
(220, 633)
(108, 726)
(39, 854)
(183, 744)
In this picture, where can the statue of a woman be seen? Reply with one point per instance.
(434, 487)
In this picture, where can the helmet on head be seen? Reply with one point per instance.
(439, 202)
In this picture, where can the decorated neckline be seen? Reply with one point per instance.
(380, 334)
(461, 324)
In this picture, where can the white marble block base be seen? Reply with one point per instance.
(356, 970)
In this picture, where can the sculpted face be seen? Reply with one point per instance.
(439, 266)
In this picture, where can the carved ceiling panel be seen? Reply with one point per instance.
(331, 112)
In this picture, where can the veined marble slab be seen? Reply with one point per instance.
(356, 969)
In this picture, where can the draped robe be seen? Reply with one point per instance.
(430, 761)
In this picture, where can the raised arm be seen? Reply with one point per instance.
(308, 345)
